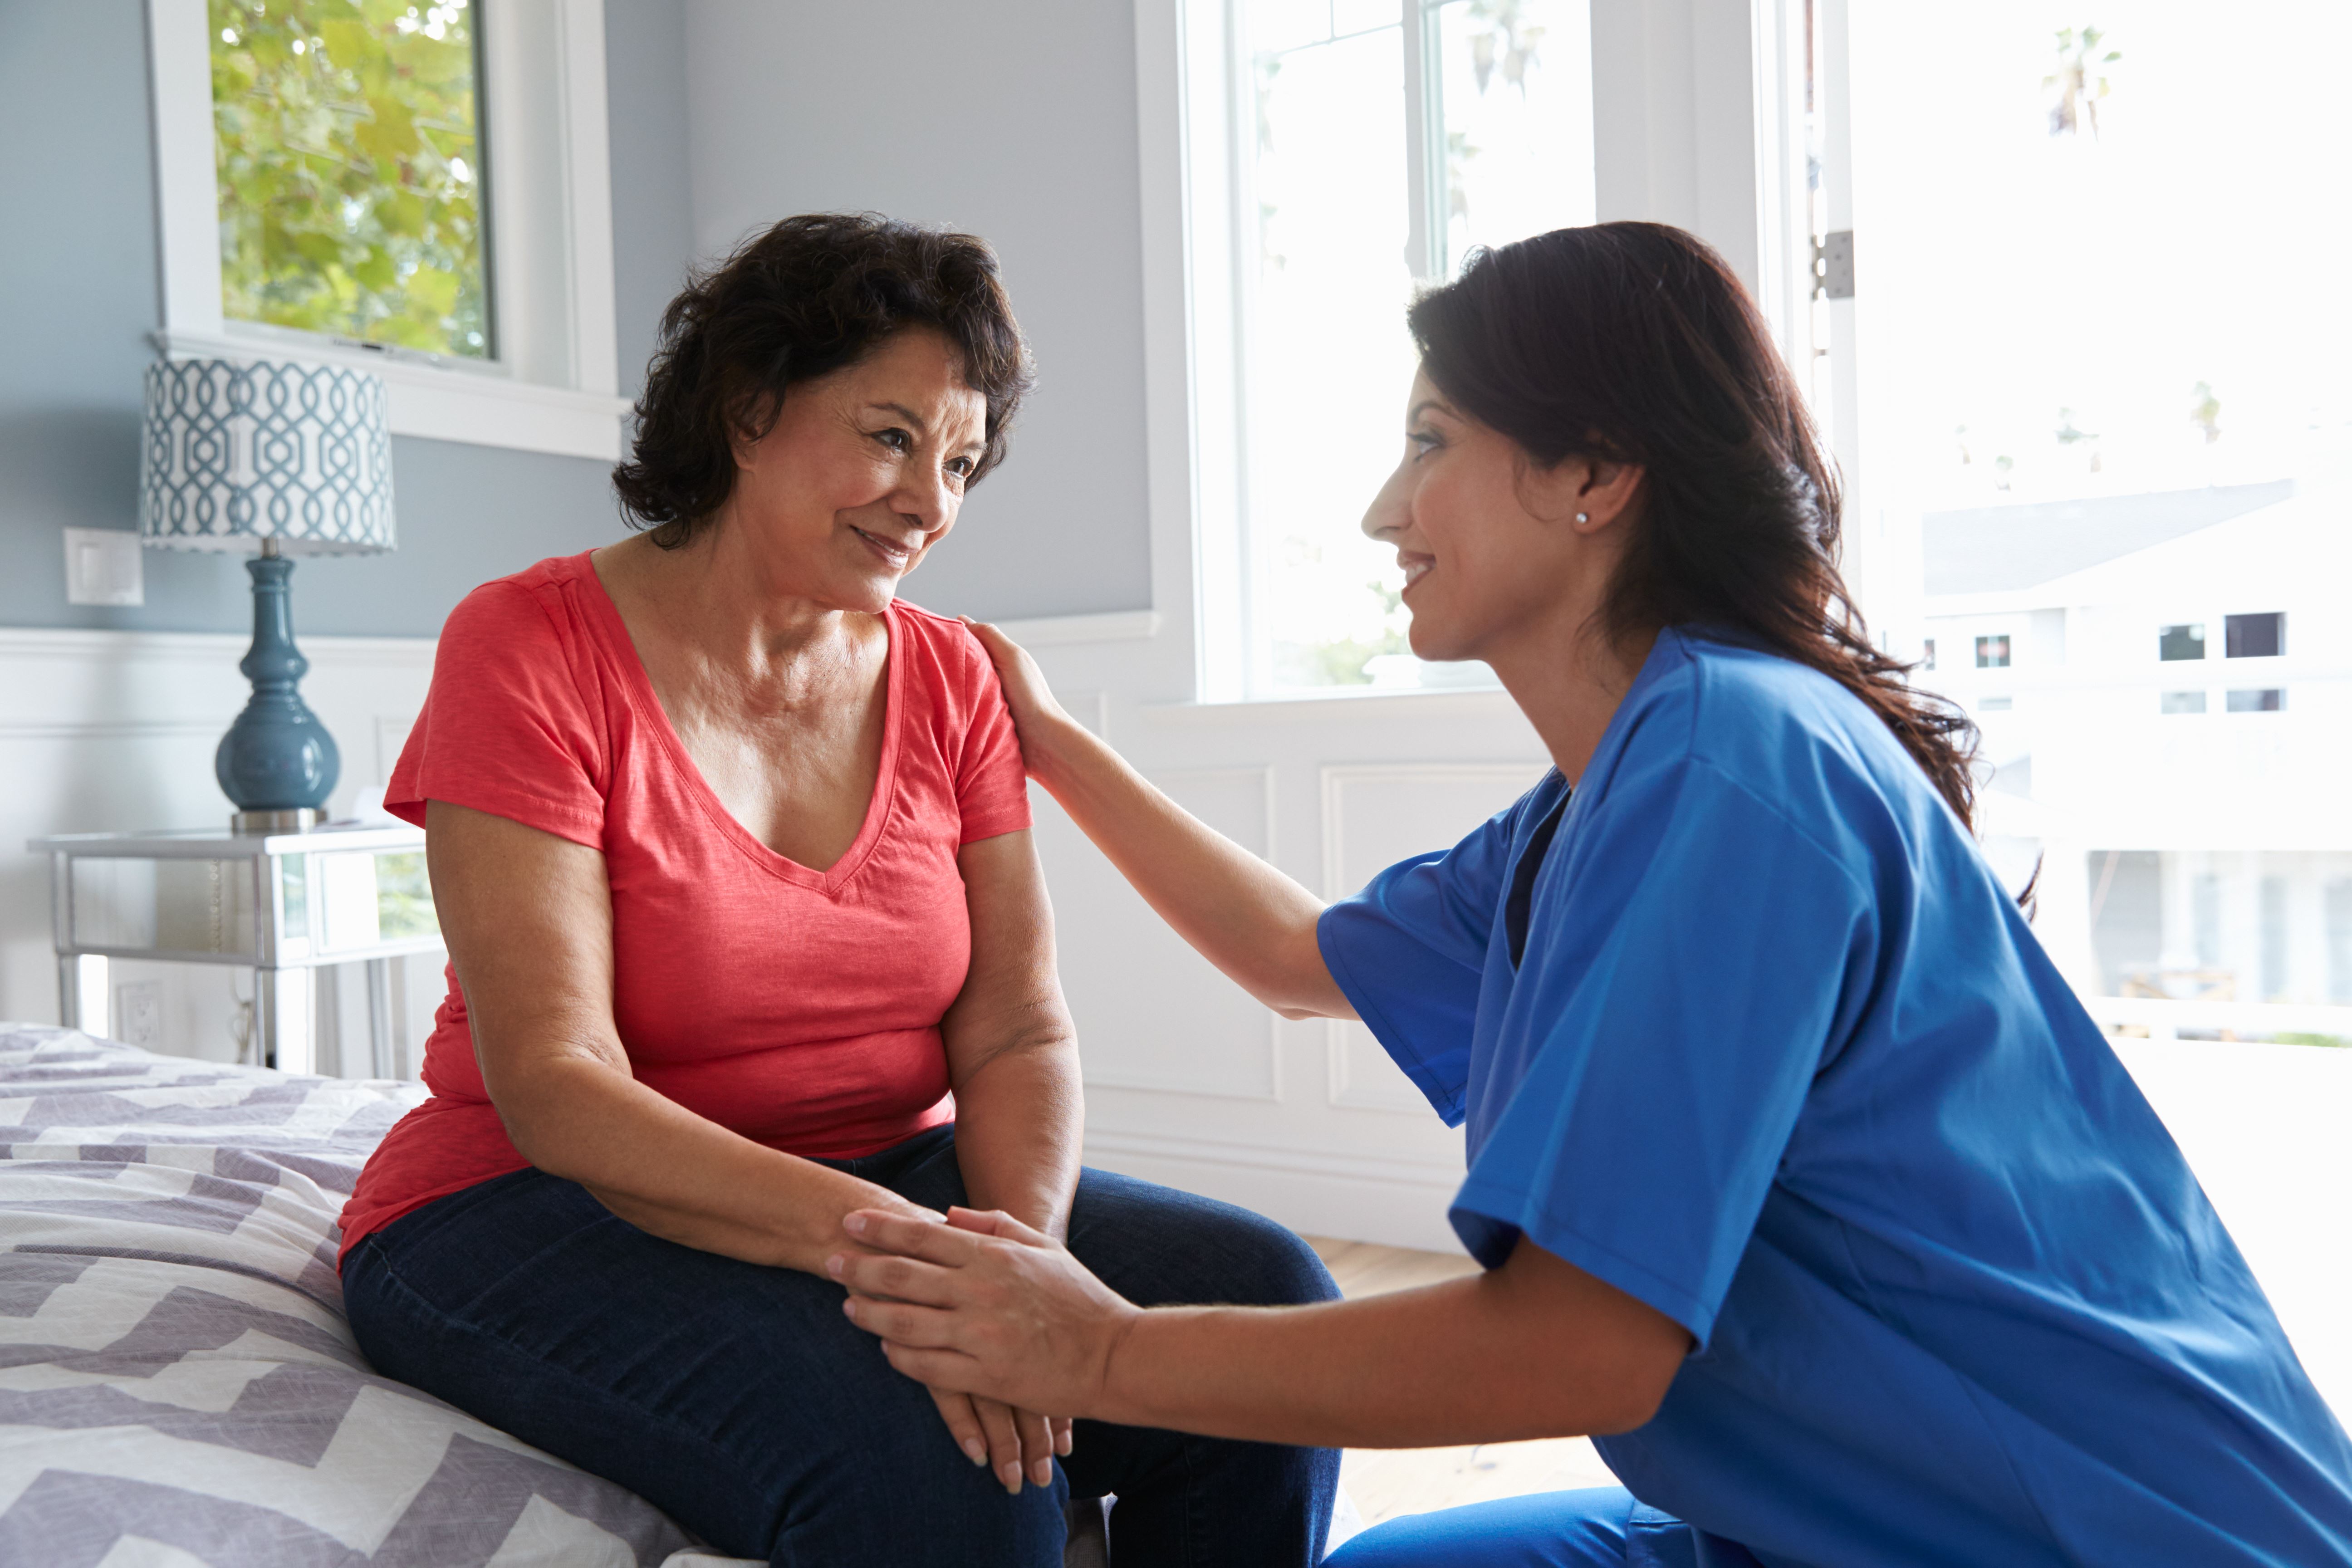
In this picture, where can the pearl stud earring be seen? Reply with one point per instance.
(1584, 517)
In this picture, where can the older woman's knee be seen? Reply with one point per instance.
(1281, 1268)
(1159, 1247)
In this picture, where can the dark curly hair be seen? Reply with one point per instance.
(807, 297)
(1636, 343)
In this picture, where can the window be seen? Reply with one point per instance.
(1380, 141)
(2257, 636)
(1928, 653)
(421, 189)
(349, 151)
(2107, 428)
(1992, 653)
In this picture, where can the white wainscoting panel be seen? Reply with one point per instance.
(113, 731)
(1375, 815)
(390, 736)
(1151, 1012)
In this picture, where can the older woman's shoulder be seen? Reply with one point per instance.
(942, 656)
(540, 603)
(943, 639)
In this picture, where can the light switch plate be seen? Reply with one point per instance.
(104, 566)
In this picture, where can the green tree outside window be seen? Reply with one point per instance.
(347, 152)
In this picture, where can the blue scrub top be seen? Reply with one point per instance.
(1780, 1059)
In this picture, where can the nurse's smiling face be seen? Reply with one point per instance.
(1499, 555)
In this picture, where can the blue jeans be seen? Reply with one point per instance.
(739, 1399)
(1603, 1527)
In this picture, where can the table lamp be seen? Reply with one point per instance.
(279, 460)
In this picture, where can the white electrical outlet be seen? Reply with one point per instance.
(103, 566)
(139, 1014)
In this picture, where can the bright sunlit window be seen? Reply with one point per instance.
(348, 155)
(2101, 334)
(1380, 141)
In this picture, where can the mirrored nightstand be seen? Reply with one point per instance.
(280, 904)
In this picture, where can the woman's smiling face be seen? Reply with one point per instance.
(1491, 544)
(862, 473)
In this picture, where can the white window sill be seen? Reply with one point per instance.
(480, 407)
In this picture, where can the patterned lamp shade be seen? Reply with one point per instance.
(239, 451)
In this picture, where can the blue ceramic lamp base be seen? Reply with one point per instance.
(276, 763)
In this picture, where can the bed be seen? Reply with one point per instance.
(177, 1383)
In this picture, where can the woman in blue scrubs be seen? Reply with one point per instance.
(1802, 1181)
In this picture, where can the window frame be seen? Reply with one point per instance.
(554, 385)
(1693, 105)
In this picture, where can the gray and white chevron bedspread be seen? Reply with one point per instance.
(177, 1384)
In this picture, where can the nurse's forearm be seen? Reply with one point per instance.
(1019, 1121)
(1241, 914)
(1527, 1351)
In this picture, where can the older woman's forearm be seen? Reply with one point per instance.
(1020, 1119)
(674, 1173)
(1239, 912)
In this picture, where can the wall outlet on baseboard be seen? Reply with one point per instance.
(104, 566)
(139, 1014)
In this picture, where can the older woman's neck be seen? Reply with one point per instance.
(733, 607)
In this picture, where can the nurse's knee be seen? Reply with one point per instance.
(1584, 1529)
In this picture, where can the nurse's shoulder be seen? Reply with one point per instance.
(1802, 743)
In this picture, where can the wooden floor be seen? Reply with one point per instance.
(1386, 1482)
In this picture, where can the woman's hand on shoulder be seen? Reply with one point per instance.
(1035, 714)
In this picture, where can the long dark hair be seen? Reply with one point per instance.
(1633, 342)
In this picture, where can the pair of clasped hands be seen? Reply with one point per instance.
(981, 1304)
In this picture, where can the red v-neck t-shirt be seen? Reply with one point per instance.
(799, 1008)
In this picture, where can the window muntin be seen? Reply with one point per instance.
(2127, 432)
(1340, 210)
(348, 161)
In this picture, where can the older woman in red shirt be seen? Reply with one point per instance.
(747, 933)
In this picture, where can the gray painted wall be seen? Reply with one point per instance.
(782, 118)
(1013, 122)
(653, 198)
(79, 291)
